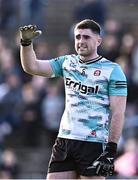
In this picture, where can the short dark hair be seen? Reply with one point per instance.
(89, 24)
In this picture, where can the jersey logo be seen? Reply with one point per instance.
(78, 86)
(83, 71)
(72, 64)
(97, 73)
(93, 133)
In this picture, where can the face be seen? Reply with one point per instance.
(86, 43)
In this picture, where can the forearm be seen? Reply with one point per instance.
(28, 59)
(32, 65)
(116, 127)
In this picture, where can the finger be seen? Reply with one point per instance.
(111, 171)
(25, 28)
(106, 167)
(99, 168)
(30, 26)
(105, 173)
(34, 27)
(21, 28)
(37, 33)
(107, 170)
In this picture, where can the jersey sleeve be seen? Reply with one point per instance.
(117, 82)
(56, 65)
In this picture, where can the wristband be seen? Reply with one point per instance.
(111, 147)
(26, 42)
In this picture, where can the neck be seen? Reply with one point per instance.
(87, 58)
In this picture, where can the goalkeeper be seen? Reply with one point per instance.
(96, 91)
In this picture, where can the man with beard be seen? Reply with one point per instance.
(93, 118)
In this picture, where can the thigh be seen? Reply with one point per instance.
(85, 154)
(62, 175)
(92, 177)
(61, 160)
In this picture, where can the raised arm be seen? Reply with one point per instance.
(29, 61)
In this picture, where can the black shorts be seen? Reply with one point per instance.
(74, 155)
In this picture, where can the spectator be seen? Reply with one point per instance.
(110, 48)
(9, 168)
(51, 114)
(9, 14)
(90, 9)
(12, 101)
(31, 117)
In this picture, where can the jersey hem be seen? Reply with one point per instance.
(83, 139)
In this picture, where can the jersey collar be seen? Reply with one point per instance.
(91, 60)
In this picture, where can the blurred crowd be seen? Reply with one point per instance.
(30, 105)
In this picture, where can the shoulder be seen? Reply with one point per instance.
(61, 59)
(72, 58)
(109, 64)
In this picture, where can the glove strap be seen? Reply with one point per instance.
(111, 147)
(26, 42)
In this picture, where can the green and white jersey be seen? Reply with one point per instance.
(88, 87)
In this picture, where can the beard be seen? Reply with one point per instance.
(84, 53)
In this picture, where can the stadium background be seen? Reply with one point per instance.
(31, 107)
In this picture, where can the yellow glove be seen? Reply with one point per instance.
(28, 33)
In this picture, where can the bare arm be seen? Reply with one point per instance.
(104, 164)
(118, 106)
(31, 64)
(29, 61)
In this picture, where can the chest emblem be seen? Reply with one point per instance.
(97, 72)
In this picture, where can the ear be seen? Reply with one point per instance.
(99, 41)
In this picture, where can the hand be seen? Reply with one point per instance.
(27, 33)
(104, 164)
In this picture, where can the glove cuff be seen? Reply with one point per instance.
(111, 147)
(26, 42)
